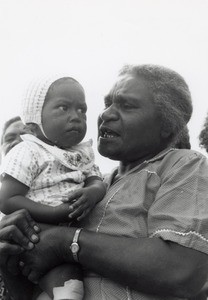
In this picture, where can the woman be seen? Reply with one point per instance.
(147, 239)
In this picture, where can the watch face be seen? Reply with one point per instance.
(74, 247)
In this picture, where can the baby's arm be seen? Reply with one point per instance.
(96, 187)
(12, 198)
(84, 199)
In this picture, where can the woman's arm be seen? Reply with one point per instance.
(144, 264)
(149, 265)
(12, 198)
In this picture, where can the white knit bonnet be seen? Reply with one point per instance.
(32, 104)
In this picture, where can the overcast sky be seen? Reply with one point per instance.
(92, 39)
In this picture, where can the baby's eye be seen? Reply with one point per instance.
(82, 110)
(63, 107)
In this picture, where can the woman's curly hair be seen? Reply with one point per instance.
(203, 137)
(170, 93)
(182, 140)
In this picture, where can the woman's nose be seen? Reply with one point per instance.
(109, 113)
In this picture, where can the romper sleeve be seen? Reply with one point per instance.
(94, 171)
(180, 210)
(21, 163)
(89, 156)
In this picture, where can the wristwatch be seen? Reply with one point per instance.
(74, 245)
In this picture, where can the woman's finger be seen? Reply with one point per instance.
(12, 234)
(23, 221)
(27, 225)
(7, 249)
(25, 270)
(13, 264)
(33, 277)
(31, 222)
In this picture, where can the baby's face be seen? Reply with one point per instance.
(64, 113)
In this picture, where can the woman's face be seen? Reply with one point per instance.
(129, 127)
(64, 114)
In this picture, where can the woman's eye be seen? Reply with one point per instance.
(126, 105)
(107, 104)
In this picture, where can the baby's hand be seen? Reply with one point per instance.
(82, 202)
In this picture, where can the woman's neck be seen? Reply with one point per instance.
(126, 166)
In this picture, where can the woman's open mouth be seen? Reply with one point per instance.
(107, 133)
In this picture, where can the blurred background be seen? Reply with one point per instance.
(92, 39)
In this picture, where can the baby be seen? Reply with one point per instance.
(51, 173)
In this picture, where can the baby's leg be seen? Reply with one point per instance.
(63, 283)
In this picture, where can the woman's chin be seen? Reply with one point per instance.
(108, 151)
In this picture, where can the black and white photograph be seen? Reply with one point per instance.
(104, 150)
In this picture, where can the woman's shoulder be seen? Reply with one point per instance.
(177, 159)
(185, 154)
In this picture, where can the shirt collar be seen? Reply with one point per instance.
(109, 178)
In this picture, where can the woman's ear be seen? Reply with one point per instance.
(165, 133)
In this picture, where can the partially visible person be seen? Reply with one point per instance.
(203, 136)
(147, 239)
(10, 137)
(11, 132)
(203, 142)
(52, 165)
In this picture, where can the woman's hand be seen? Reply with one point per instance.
(17, 232)
(48, 253)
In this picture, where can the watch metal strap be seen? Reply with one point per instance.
(75, 241)
(76, 235)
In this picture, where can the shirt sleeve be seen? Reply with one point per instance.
(21, 163)
(180, 210)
